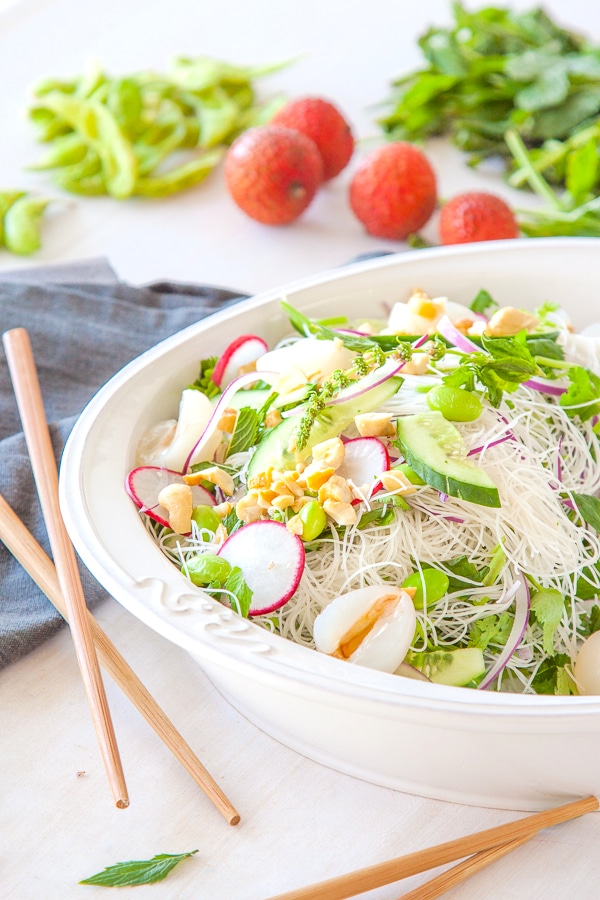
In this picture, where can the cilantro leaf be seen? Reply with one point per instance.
(551, 677)
(548, 606)
(493, 629)
(591, 621)
(135, 872)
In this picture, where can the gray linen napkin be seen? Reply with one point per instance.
(84, 325)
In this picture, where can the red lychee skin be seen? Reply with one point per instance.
(321, 121)
(394, 191)
(476, 216)
(273, 173)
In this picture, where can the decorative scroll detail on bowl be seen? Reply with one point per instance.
(202, 612)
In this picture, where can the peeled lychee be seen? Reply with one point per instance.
(273, 173)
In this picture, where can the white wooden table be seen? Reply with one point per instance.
(301, 823)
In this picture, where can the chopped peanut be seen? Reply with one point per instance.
(330, 452)
(249, 367)
(288, 484)
(223, 509)
(265, 499)
(247, 508)
(177, 500)
(228, 420)
(213, 474)
(283, 501)
(291, 380)
(396, 481)
(315, 476)
(417, 365)
(295, 525)
(375, 425)
(341, 513)
(509, 320)
(262, 480)
(272, 418)
(220, 534)
(336, 488)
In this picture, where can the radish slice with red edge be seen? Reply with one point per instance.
(365, 458)
(232, 388)
(242, 351)
(272, 562)
(145, 483)
(522, 597)
(452, 334)
(390, 368)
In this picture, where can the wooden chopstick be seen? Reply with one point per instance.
(24, 547)
(35, 427)
(457, 874)
(371, 877)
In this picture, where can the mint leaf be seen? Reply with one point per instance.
(236, 584)
(484, 303)
(245, 431)
(134, 872)
(589, 509)
(548, 607)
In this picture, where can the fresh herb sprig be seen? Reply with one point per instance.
(493, 70)
(138, 871)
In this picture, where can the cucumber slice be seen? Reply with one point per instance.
(255, 399)
(434, 448)
(274, 449)
(453, 667)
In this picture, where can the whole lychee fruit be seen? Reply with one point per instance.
(321, 121)
(476, 216)
(273, 173)
(393, 191)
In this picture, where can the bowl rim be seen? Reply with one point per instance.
(281, 658)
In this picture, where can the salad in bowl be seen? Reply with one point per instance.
(415, 493)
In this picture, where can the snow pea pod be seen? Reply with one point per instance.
(22, 224)
(65, 150)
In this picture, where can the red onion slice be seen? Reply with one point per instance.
(456, 337)
(232, 388)
(390, 368)
(545, 387)
(522, 597)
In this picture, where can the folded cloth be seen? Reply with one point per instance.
(84, 325)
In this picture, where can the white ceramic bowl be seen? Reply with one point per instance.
(501, 750)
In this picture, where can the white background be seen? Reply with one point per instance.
(300, 822)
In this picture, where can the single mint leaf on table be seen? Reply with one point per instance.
(139, 871)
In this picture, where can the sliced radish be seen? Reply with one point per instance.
(243, 351)
(271, 559)
(203, 449)
(145, 483)
(365, 458)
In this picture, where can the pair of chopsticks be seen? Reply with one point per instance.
(482, 848)
(62, 586)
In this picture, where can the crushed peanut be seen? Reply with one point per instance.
(417, 364)
(272, 418)
(341, 513)
(396, 481)
(295, 525)
(375, 425)
(337, 489)
(228, 420)
(330, 452)
(213, 474)
(509, 320)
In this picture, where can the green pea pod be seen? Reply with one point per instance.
(7, 198)
(65, 150)
(49, 85)
(89, 165)
(92, 79)
(260, 114)
(87, 186)
(150, 155)
(179, 178)
(98, 127)
(22, 225)
(217, 115)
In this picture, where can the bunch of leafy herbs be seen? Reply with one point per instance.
(495, 70)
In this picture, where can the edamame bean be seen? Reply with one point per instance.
(206, 568)
(314, 520)
(206, 518)
(454, 403)
(22, 225)
(431, 585)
